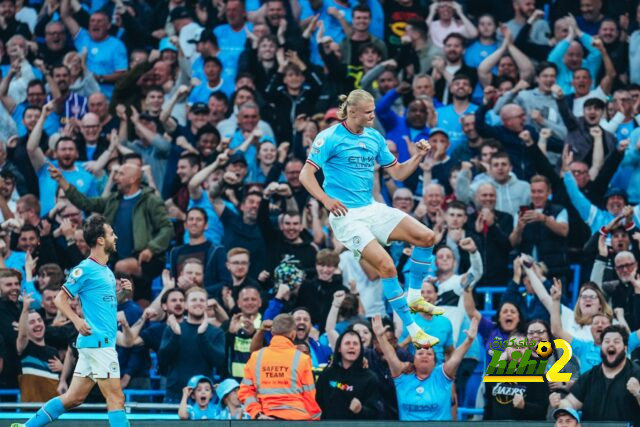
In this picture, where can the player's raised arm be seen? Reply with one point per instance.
(402, 171)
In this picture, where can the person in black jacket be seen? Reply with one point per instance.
(493, 228)
(346, 389)
(317, 293)
(543, 228)
(10, 309)
(292, 90)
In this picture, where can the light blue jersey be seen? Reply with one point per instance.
(104, 57)
(449, 119)
(211, 412)
(84, 181)
(347, 160)
(589, 355)
(215, 230)
(424, 400)
(95, 285)
(437, 326)
(587, 352)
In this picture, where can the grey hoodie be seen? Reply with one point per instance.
(510, 195)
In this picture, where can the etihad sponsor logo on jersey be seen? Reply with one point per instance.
(361, 161)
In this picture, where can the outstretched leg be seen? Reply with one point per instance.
(375, 255)
(78, 390)
(414, 232)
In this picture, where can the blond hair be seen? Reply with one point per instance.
(354, 98)
(605, 309)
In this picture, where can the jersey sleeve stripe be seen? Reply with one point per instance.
(311, 162)
(390, 164)
(67, 291)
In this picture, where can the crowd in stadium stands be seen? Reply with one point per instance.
(186, 124)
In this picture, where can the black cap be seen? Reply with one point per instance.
(237, 158)
(205, 36)
(615, 191)
(179, 12)
(199, 108)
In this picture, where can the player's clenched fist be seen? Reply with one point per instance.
(423, 147)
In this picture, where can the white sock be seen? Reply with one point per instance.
(413, 295)
(413, 329)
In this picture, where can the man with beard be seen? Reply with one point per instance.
(95, 285)
(66, 153)
(10, 309)
(320, 353)
(141, 249)
(69, 105)
(444, 69)
(172, 304)
(450, 116)
(9, 26)
(609, 391)
(190, 347)
(588, 352)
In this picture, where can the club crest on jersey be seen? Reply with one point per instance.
(77, 272)
(319, 142)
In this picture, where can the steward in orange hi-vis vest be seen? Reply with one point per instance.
(278, 380)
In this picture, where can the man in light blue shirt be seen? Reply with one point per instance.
(95, 285)
(449, 116)
(106, 55)
(212, 82)
(66, 154)
(568, 56)
(232, 35)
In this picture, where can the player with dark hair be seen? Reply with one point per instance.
(95, 285)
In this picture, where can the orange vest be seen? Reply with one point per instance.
(278, 382)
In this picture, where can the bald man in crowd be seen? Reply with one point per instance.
(140, 250)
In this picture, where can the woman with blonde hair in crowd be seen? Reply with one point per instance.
(576, 321)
